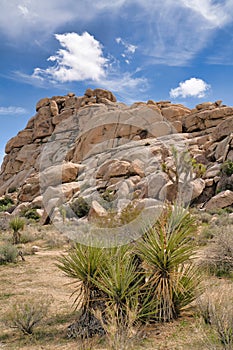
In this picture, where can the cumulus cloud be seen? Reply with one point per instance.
(12, 110)
(80, 58)
(192, 87)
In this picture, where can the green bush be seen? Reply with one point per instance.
(8, 253)
(227, 168)
(80, 207)
(6, 203)
(27, 312)
(31, 214)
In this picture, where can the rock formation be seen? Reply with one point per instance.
(112, 155)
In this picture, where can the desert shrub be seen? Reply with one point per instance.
(216, 309)
(31, 214)
(198, 168)
(16, 224)
(6, 203)
(80, 207)
(108, 196)
(28, 312)
(27, 237)
(166, 250)
(218, 257)
(227, 168)
(8, 253)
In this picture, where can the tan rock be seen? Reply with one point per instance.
(213, 171)
(223, 129)
(222, 148)
(198, 186)
(63, 191)
(96, 211)
(89, 93)
(42, 103)
(57, 174)
(23, 137)
(30, 189)
(54, 108)
(204, 105)
(221, 200)
(99, 93)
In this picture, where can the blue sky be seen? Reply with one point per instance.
(140, 49)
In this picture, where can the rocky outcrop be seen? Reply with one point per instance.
(113, 155)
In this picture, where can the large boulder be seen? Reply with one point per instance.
(221, 200)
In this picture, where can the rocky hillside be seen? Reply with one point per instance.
(84, 155)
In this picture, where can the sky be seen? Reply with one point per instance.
(180, 51)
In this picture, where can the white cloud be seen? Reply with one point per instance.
(167, 31)
(12, 110)
(192, 87)
(23, 9)
(80, 58)
(216, 14)
(129, 48)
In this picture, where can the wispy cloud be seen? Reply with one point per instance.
(192, 87)
(12, 110)
(129, 49)
(171, 32)
(216, 13)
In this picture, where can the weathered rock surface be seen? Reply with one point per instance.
(221, 200)
(95, 147)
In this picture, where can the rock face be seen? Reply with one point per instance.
(113, 155)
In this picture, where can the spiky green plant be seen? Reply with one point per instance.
(16, 224)
(167, 250)
(83, 264)
(121, 277)
(120, 281)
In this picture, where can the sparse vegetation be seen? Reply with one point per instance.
(80, 207)
(216, 309)
(26, 313)
(218, 258)
(31, 214)
(8, 253)
(6, 203)
(227, 168)
(16, 224)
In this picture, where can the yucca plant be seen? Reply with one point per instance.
(16, 224)
(120, 281)
(84, 264)
(121, 277)
(166, 249)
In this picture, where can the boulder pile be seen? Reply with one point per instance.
(112, 155)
